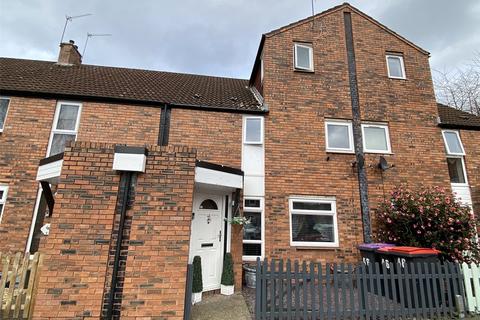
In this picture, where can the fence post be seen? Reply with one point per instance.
(188, 293)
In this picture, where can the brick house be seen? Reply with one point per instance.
(338, 110)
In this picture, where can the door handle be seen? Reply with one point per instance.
(220, 236)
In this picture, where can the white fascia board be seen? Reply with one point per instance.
(129, 162)
(50, 172)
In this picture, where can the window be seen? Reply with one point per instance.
(313, 222)
(208, 204)
(453, 144)
(4, 102)
(253, 130)
(303, 56)
(65, 126)
(395, 67)
(253, 233)
(375, 138)
(456, 170)
(339, 137)
(3, 200)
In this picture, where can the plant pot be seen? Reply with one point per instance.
(250, 274)
(196, 297)
(227, 290)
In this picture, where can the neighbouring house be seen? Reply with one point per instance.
(338, 110)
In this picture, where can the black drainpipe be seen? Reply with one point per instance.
(164, 129)
(127, 181)
(357, 129)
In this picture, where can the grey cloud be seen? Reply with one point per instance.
(216, 37)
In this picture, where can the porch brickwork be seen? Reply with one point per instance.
(74, 274)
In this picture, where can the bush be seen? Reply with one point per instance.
(197, 285)
(227, 274)
(429, 218)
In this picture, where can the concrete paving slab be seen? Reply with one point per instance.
(219, 307)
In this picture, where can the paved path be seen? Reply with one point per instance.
(219, 307)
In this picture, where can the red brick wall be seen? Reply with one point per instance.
(299, 103)
(74, 273)
(471, 144)
(216, 135)
(76, 251)
(24, 142)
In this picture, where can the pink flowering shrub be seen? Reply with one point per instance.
(429, 218)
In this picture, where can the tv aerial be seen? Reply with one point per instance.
(90, 35)
(70, 18)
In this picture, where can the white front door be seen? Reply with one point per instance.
(207, 236)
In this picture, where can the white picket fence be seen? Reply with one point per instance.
(471, 276)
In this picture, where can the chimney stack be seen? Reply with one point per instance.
(69, 54)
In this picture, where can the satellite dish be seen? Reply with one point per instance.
(383, 164)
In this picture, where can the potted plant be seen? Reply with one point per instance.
(197, 286)
(226, 286)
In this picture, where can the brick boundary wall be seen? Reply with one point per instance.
(74, 273)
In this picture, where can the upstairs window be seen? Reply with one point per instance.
(313, 222)
(395, 66)
(253, 130)
(456, 170)
(303, 56)
(339, 137)
(65, 126)
(4, 102)
(375, 138)
(3, 200)
(453, 144)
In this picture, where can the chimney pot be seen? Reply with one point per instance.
(69, 54)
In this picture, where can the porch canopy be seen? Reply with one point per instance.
(214, 175)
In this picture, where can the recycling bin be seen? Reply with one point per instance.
(396, 259)
(368, 251)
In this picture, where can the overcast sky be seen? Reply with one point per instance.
(216, 37)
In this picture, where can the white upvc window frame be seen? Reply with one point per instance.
(260, 210)
(345, 123)
(309, 46)
(387, 137)
(462, 159)
(333, 212)
(2, 125)
(447, 149)
(62, 131)
(245, 120)
(3, 200)
(402, 65)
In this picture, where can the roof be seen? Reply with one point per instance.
(324, 13)
(49, 79)
(457, 119)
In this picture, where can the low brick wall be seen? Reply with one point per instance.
(75, 274)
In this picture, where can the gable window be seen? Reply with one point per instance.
(253, 132)
(339, 137)
(65, 126)
(253, 233)
(3, 200)
(395, 66)
(375, 138)
(453, 144)
(303, 56)
(4, 102)
(313, 222)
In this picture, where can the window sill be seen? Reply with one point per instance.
(340, 152)
(396, 78)
(303, 70)
(379, 152)
(314, 247)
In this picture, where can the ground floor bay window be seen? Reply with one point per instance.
(313, 222)
(254, 231)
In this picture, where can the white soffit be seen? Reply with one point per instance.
(50, 169)
(212, 176)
